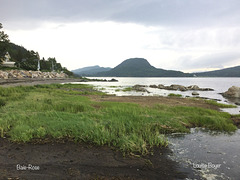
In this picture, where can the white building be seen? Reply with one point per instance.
(6, 62)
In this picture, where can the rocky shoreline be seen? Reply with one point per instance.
(177, 87)
(173, 87)
(23, 77)
(20, 74)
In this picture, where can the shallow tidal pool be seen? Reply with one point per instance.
(210, 154)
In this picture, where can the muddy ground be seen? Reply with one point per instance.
(152, 100)
(69, 160)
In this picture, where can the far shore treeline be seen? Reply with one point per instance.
(27, 59)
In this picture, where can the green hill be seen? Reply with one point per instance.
(227, 72)
(139, 67)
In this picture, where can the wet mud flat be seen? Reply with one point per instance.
(69, 160)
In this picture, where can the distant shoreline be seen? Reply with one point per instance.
(31, 81)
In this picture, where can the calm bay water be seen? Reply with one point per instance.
(210, 154)
(219, 85)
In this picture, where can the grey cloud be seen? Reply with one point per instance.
(148, 12)
(217, 60)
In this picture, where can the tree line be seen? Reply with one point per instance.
(27, 60)
(4, 41)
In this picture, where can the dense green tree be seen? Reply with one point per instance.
(25, 59)
(66, 71)
(4, 42)
(17, 53)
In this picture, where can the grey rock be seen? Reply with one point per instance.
(193, 87)
(140, 89)
(206, 89)
(161, 86)
(233, 91)
(139, 85)
(153, 86)
(195, 93)
(113, 80)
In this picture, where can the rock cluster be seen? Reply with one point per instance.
(233, 92)
(20, 74)
(140, 88)
(181, 88)
(113, 80)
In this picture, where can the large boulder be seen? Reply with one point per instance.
(194, 93)
(140, 88)
(161, 86)
(11, 74)
(233, 91)
(113, 80)
(3, 75)
(196, 88)
(178, 87)
(206, 89)
(193, 87)
(153, 86)
(139, 85)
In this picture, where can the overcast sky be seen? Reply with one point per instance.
(185, 35)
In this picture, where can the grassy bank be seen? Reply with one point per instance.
(66, 111)
(220, 104)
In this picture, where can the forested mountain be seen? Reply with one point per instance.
(227, 72)
(139, 67)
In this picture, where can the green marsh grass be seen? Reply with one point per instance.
(221, 105)
(63, 111)
(127, 89)
(174, 95)
(124, 89)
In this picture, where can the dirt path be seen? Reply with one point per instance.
(69, 160)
